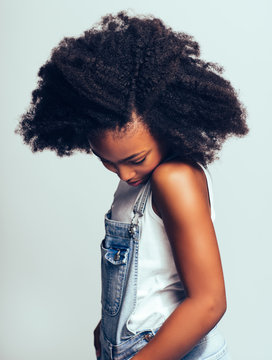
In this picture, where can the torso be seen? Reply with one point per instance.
(160, 288)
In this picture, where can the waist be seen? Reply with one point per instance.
(212, 343)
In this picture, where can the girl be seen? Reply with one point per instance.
(136, 94)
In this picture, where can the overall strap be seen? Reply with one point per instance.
(139, 206)
(140, 203)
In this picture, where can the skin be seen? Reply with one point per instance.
(115, 149)
(180, 197)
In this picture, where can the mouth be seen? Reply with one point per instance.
(135, 183)
(140, 181)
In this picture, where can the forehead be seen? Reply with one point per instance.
(117, 144)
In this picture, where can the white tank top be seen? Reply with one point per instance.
(159, 289)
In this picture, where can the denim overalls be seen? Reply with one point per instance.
(119, 272)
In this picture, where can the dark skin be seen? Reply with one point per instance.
(180, 197)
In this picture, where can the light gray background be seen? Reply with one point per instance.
(52, 208)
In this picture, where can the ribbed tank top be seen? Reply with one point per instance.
(159, 288)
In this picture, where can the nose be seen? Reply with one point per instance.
(125, 173)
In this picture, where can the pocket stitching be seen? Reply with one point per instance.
(113, 309)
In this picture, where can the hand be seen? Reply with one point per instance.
(97, 344)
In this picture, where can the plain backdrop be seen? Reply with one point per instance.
(52, 208)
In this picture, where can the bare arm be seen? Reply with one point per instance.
(180, 196)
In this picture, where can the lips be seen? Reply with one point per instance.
(135, 183)
(140, 181)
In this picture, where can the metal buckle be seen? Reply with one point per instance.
(131, 229)
(117, 255)
(148, 337)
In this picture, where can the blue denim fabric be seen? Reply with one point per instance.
(211, 347)
(119, 272)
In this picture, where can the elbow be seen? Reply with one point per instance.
(217, 306)
(210, 307)
(213, 307)
(221, 308)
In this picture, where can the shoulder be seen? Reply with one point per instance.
(179, 185)
(173, 174)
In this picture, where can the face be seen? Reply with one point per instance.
(133, 153)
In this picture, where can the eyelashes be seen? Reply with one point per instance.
(138, 162)
(132, 162)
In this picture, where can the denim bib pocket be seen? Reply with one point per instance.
(114, 264)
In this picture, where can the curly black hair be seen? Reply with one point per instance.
(128, 63)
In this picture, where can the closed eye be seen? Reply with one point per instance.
(138, 162)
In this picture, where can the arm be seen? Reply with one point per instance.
(180, 196)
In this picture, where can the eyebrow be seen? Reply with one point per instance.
(126, 159)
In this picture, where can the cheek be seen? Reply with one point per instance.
(157, 158)
(152, 164)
